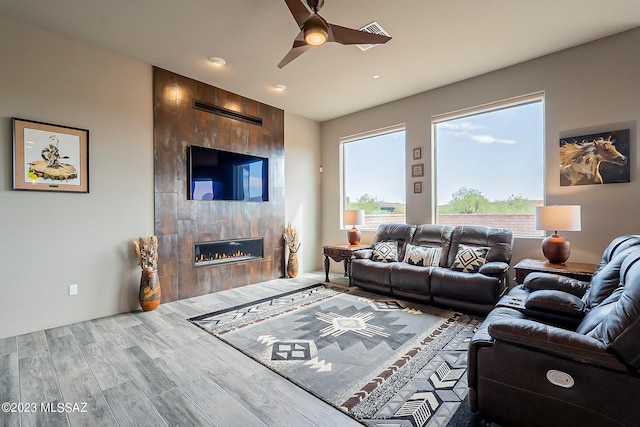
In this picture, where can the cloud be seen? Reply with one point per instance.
(459, 126)
(465, 128)
(488, 139)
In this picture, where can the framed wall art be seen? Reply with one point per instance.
(417, 187)
(417, 153)
(49, 157)
(599, 158)
(417, 170)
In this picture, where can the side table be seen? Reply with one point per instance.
(575, 270)
(342, 253)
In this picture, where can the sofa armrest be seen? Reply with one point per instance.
(555, 341)
(494, 268)
(363, 254)
(540, 280)
(557, 302)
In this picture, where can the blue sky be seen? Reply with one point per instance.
(376, 166)
(499, 153)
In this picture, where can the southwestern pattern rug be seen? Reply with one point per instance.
(383, 361)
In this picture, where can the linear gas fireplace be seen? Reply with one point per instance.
(224, 251)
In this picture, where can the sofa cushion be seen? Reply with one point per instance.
(401, 233)
(434, 235)
(500, 240)
(385, 252)
(409, 279)
(469, 259)
(371, 275)
(606, 279)
(422, 256)
(456, 285)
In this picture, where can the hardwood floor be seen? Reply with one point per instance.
(153, 369)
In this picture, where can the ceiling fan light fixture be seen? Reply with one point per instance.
(315, 31)
(315, 36)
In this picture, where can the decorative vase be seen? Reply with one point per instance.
(149, 289)
(292, 265)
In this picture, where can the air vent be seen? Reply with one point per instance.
(374, 28)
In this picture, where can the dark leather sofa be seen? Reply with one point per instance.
(472, 292)
(572, 362)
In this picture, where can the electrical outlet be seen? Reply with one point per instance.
(73, 289)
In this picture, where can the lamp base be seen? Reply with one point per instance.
(556, 249)
(354, 235)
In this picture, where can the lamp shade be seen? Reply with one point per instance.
(353, 217)
(558, 218)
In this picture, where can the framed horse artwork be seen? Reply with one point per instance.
(599, 158)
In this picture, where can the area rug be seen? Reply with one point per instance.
(381, 360)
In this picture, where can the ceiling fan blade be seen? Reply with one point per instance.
(298, 10)
(293, 54)
(344, 35)
(299, 47)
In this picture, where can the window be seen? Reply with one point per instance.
(489, 165)
(373, 176)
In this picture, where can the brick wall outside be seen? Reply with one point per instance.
(521, 224)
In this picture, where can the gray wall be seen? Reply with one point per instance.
(51, 240)
(302, 186)
(593, 87)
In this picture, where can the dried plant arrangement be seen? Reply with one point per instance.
(147, 251)
(291, 238)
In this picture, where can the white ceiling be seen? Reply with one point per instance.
(434, 43)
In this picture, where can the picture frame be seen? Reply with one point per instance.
(417, 170)
(417, 187)
(49, 157)
(597, 158)
(417, 153)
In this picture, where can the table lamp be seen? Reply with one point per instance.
(353, 218)
(556, 249)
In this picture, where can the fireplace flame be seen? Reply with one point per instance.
(221, 256)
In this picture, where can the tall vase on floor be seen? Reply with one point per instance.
(292, 265)
(147, 252)
(291, 239)
(149, 289)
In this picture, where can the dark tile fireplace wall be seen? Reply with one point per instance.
(180, 120)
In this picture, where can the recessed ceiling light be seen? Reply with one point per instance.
(280, 88)
(218, 62)
(376, 76)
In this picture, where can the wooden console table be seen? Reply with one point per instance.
(339, 253)
(575, 270)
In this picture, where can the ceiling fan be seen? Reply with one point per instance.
(315, 31)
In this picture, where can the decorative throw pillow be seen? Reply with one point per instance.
(385, 251)
(423, 256)
(469, 259)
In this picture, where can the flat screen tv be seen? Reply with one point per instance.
(224, 175)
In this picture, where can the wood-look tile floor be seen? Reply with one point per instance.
(153, 369)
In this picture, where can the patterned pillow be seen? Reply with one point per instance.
(385, 251)
(423, 256)
(469, 259)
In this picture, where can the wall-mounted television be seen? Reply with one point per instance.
(225, 175)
